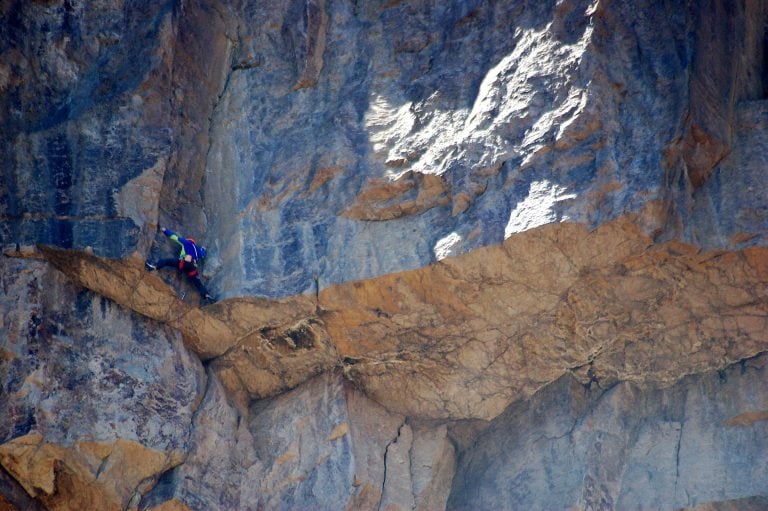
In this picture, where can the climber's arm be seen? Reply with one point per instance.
(175, 237)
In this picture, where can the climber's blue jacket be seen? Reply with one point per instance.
(188, 246)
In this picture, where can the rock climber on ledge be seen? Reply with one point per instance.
(191, 253)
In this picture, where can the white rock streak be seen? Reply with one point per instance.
(538, 208)
(387, 124)
(447, 246)
(526, 98)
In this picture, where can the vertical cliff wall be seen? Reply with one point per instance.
(86, 122)
(486, 255)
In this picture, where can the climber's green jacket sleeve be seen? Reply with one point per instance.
(187, 247)
(175, 237)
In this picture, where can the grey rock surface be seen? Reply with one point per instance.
(83, 102)
(220, 452)
(435, 129)
(79, 371)
(731, 207)
(700, 441)
(322, 445)
(305, 452)
(76, 366)
(311, 143)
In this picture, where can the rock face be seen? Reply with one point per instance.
(466, 337)
(625, 447)
(452, 127)
(470, 255)
(86, 116)
(98, 401)
(320, 446)
(732, 182)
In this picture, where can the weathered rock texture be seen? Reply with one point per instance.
(700, 440)
(97, 401)
(466, 337)
(454, 126)
(606, 305)
(519, 242)
(86, 120)
(321, 446)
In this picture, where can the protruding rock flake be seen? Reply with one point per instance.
(460, 255)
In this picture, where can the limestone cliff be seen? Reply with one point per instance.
(469, 255)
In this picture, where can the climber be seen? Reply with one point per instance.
(191, 253)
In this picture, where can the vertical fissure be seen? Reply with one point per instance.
(677, 460)
(386, 454)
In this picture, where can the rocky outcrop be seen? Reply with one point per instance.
(455, 246)
(109, 415)
(468, 336)
(313, 143)
(325, 442)
(450, 129)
